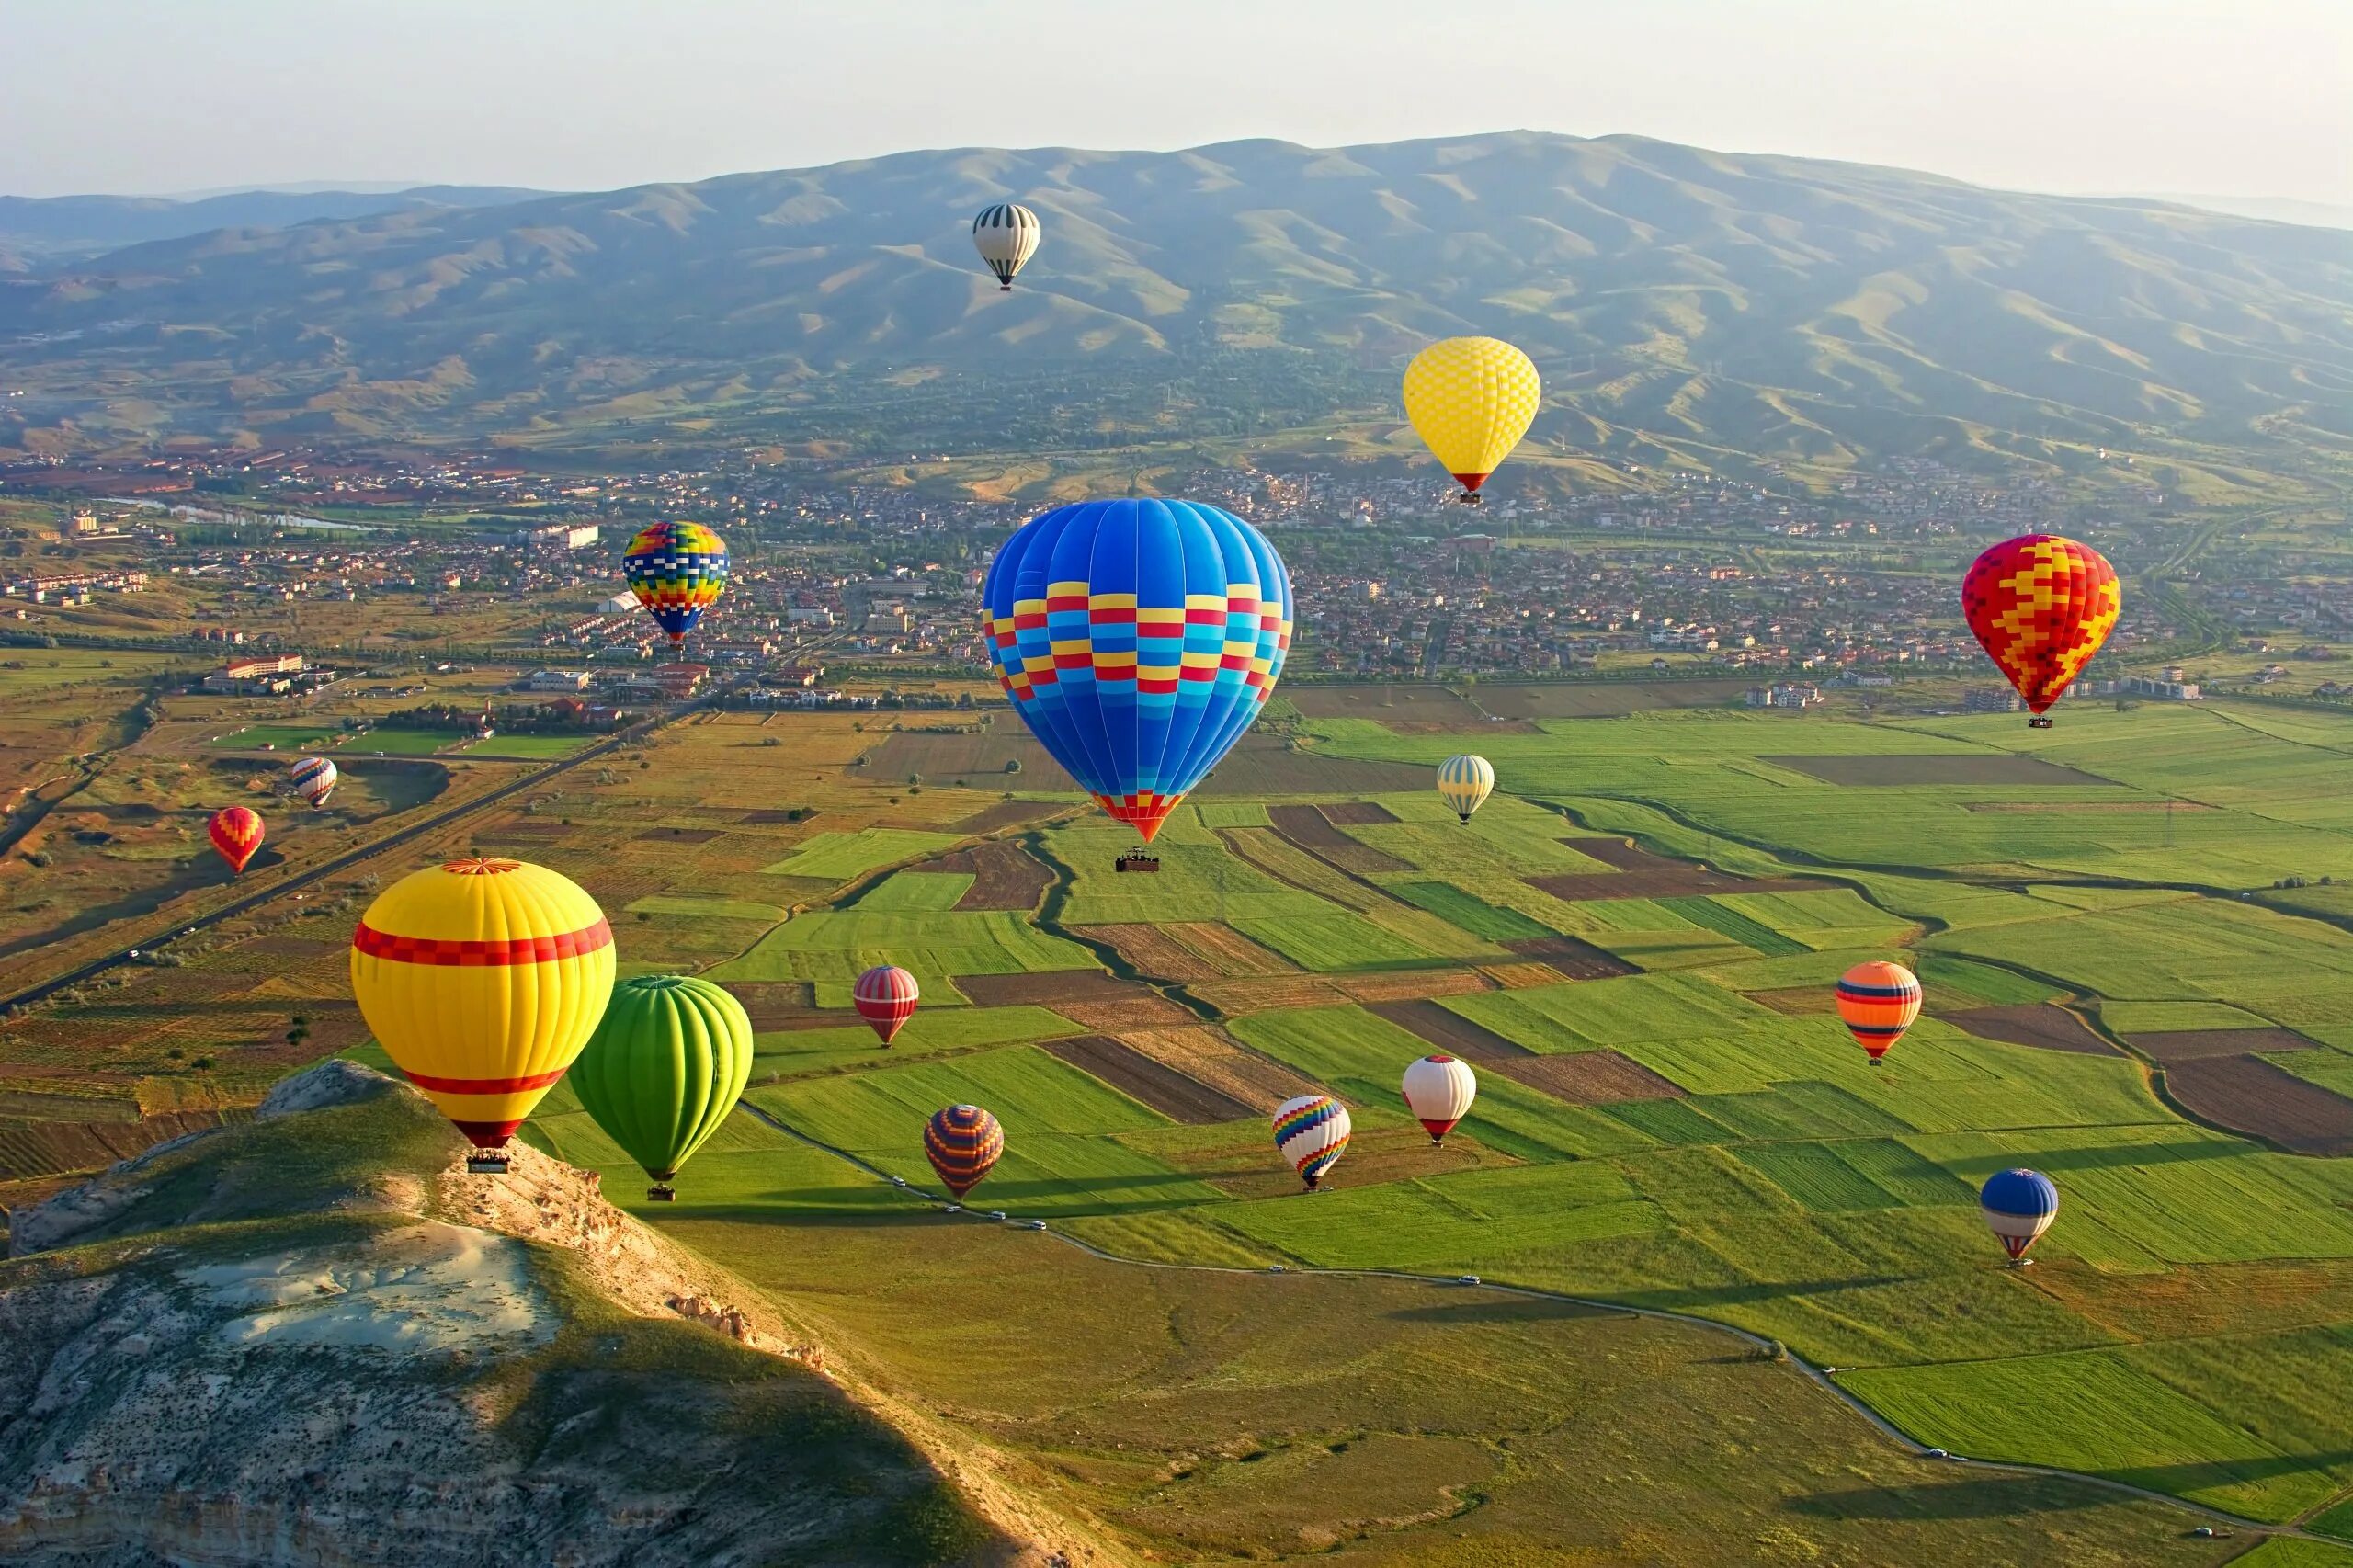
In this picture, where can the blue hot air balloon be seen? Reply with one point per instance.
(2019, 1206)
(1137, 639)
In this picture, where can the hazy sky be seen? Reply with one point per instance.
(2210, 97)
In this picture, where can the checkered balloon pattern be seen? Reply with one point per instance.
(1471, 400)
(677, 570)
(2042, 606)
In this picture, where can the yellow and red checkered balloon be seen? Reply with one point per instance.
(2042, 606)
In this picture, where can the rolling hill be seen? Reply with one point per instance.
(38, 229)
(1685, 304)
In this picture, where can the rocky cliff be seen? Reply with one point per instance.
(314, 1339)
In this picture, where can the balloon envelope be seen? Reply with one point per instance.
(886, 997)
(313, 779)
(1438, 1091)
(1471, 400)
(1007, 235)
(1463, 782)
(236, 832)
(677, 570)
(664, 1068)
(2040, 607)
(481, 980)
(1312, 1132)
(2019, 1206)
(1878, 1000)
(962, 1143)
(1138, 640)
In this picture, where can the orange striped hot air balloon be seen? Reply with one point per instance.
(236, 832)
(1878, 1000)
(482, 978)
(2040, 606)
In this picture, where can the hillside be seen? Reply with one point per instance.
(308, 1340)
(34, 230)
(1685, 304)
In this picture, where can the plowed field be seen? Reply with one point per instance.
(2252, 1096)
(1588, 1077)
(1450, 1031)
(1189, 950)
(2037, 1023)
(1208, 1056)
(1139, 1077)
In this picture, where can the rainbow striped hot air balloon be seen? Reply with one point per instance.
(667, 1064)
(1438, 1091)
(1463, 782)
(2019, 1205)
(2040, 606)
(236, 832)
(313, 779)
(1138, 640)
(886, 997)
(962, 1143)
(481, 980)
(1878, 1000)
(677, 570)
(1312, 1132)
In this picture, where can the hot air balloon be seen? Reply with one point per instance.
(677, 570)
(663, 1070)
(963, 1143)
(1312, 1132)
(1471, 400)
(1137, 639)
(1463, 782)
(1438, 1091)
(1878, 1000)
(1007, 237)
(236, 832)
(313, 779)
(2019, 1205)
(481, 980)
(2040, 606)
(886, 997)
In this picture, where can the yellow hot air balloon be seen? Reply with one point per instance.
(482, 978)
(1464, 781)
(1471, 400)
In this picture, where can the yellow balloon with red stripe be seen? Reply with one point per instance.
(481, 980)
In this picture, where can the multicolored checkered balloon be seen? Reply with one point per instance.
(2042, 606)
(677, 570)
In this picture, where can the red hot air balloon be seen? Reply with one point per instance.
(886, 998)
(962, 1143)
(2040, 606)
(236, 832)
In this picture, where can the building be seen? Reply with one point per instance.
(1989, 699)
(558, 535)
(556, 680)
(679, 682)
(267, 674)
(619, 604)
(1784, 694)
(2162, 690)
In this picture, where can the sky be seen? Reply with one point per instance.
(2239, 98)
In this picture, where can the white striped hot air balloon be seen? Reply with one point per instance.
(1438, 1091)
(313, 779)
(1464, 781)
(1007, 235)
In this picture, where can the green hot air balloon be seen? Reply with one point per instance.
(664, 1069)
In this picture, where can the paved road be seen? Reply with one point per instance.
(532, 778)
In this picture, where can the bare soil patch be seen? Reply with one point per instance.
(1869, 772)
(1189, 950)
(1166, 1089)
(781, 1004)
(680, 835)
(1144, 1010)
(766, 818)
(2170, 1046)
(1210, 1057)
(2039, 1024)
(2250, 1095)
(1573, 959)
(1356, 814)
(1309, 829)
(528, 827)
(1005, 876)
(1641, 874)
(1262, 764)
(1449, 1031)
(1522, 976)
(1410, 985)
(1004, 815)
(1264, 992)
(1588, 1077)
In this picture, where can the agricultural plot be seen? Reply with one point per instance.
(838, 856)
(831, 948)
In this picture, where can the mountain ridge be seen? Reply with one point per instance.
(1799, 309)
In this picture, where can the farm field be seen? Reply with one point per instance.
(1632, 943)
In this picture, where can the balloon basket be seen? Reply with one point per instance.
(1136, 861)
(2038, 722)
(486, 1164)
(2021, 1263)
(661, 1192)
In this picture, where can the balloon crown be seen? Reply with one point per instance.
(479, 866)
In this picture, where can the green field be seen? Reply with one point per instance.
(1704, 1137)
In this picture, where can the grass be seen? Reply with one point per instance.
(917, 893)
(1726, 921)
(695, 907)
(1473, 913)
(834, 947)
(839, 857)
